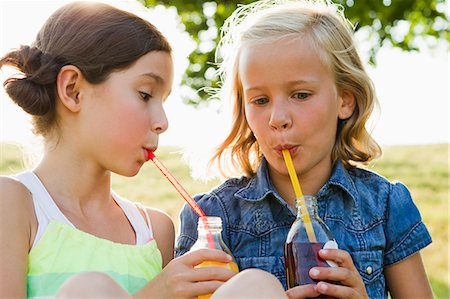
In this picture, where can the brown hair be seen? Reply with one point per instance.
(95, 37)
(325, 25)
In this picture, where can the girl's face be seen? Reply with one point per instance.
(123, 116)
(291, 102)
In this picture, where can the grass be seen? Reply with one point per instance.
(423, 168)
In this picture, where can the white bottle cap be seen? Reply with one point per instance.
(332, 244)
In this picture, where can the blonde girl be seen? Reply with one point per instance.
(295, 81)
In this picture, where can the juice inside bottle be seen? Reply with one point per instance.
(301, 257)
(209, 236)
(231, 265)
(300, 253)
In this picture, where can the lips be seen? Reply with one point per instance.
(146, 152)
(291, 148)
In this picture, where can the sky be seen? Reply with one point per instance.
(412, 88)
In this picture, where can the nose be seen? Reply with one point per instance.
(159, 122)
(280, 117)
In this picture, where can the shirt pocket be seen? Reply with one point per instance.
(272, 264)
(370, 266)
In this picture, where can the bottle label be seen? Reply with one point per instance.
(332, 244)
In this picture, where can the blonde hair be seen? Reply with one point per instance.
(326, 26)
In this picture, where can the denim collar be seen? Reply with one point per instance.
(260, 186)
(340, 178)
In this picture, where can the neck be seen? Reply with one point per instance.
(73, 181)
(310, 182)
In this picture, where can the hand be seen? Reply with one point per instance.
(302, 291)
(350, 283)
(179, 279)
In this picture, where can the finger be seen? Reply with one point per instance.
(346, 282)
(212, 273)
(340, 275)
(193, 258)
(340, 257)
(336, 291)
(303, 291)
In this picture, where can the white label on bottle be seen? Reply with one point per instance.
(331, 245)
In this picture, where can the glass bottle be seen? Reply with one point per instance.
(210, 236)
(302, 244)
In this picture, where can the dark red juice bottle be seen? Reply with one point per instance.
(300, 252)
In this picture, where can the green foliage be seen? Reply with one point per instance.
(417, 18)
(424, 169)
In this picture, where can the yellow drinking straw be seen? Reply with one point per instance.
(299, 195)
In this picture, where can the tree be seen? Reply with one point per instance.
(401, 23)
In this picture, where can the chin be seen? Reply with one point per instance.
(131, 171)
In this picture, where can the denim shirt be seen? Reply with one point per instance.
(373, 219)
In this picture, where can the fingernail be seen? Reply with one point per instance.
(323, 251)
(229, 257)
(323, 287)
(314, 272)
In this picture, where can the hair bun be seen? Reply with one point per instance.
(34, 90)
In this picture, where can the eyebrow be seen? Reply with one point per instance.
(293, 82)
(155, 77)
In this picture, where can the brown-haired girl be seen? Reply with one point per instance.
(94, 80)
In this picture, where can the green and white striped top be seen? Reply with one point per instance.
(60, 250)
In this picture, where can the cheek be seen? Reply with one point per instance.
(134, 124)
(129, 120)
(254, 119)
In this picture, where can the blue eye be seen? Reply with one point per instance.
(301, 95)
(145, 96)
(261, 101)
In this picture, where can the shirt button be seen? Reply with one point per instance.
(369, 270)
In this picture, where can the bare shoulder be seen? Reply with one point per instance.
(17, 225)
(160, 217)
(13, 193)
(16, 204)
(163, 232)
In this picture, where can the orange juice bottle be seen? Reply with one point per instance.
(209, 236)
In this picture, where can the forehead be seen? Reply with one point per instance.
(156, 62)
(282, 59)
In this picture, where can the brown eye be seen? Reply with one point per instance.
(145, 96)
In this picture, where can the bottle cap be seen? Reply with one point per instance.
(332, 244)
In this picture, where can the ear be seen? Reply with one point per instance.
(347, 104)
(68, 82)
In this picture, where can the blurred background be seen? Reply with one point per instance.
(404, 44)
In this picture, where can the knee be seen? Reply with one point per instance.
(90, 284)
(251, 283)
(259, 277)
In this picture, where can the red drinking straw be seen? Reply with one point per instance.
(183, 193)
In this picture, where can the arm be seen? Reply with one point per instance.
(17, 228)
(406, 235)
(413, 285)
(164, 234)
